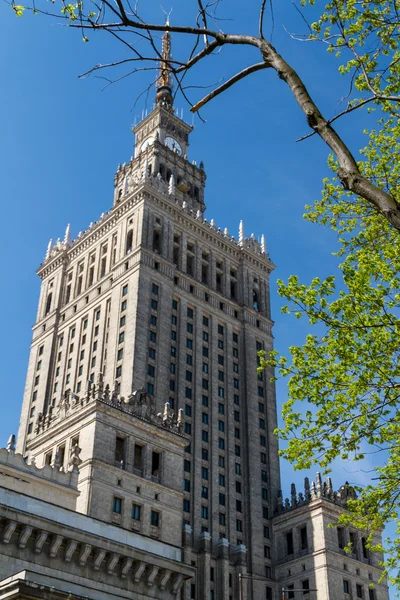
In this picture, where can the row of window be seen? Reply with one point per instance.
(136, 514)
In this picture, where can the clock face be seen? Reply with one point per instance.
(173, 145)
(146, 143)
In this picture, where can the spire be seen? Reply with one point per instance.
(171, 186)
(49, 249)
(164, 82)
(67, 236)
(241, 232)
(263, 244)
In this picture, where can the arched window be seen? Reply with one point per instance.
(129, 241)
(169, 173)
(162, 171)
(196, 193)
(48, 303)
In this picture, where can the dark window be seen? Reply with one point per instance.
(222, 519)
(220, 329)
(154, 518)
(136, 512)
(154, 289)
(340, 537)
(305, 584)
(204, 472)
(155, 464)
(221, 443)
(186, 485)
(204, 512)
(186, 466)
(117, 505)
(222, 499)
(186, 505)
(289, 542)
(204, 492)
(346, 586)
(268, 593)
(238, 487)
(204, 435)
(138, 457)
(303, 538)
(204, 400)
(359, 591)
(119, 450)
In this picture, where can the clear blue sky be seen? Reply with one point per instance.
(62, 139)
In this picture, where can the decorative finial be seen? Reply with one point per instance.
(171, 186)
(164, 82)
(241, 232)
(49, 249)
(226, 232)
(11, 443)
(67, 236)
(263, 245)
(212, 224)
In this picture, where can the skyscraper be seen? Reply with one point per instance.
(153, 297)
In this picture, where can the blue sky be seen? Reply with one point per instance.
(63, 137)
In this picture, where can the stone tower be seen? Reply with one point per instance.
(151, 304)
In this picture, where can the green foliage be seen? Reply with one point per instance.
(347, 373)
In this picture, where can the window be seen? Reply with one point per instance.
(118, 372)
(266, 532)
(154, 518)
(267, 552)
(236, 383)
(152, 336)
(261, 391)
(221, 480)
(173, 335)
(204, 418)
(264, 476)
(220, 359)
(340, 537)
(222, 519)
(186, 505)
(303, 538)
(189, 343)
(136, 512)
(305, 584)
(204, 400)
(261, 407)
(174, 304)
(153, 320)
(359, 591)
(186, 485)
(238, 487)
(364, 547)
(204, 472)
(353, 542)
(154, 304)
(221, 461)
(222, 499)
(189, 375)
(205, 336)
(188, 393)
(261, 423)
(220, 329)
(238, 469)
(188, 410)
(264, 496)
(189, 328)
(117, 505)
(268, 593)
(236, 415)
(172, 385)
(186, 466)
(205, 321)
(205, 351)
(204, 512)
(138, 457)
(220, 375)
(236, 399)
(173, 351)
(237, 450)
(268, 572)
(119, 449)
(239, 525)
(236, 367)
(155, 464)
(205, 367)
(188, 429)
(154, 289)
(204, 454)
(221, 408)
(189, 359)
(346, 586)
(237, 433)
(221, 443)
(371, 593)
(289, 542)
(190, 313)
(262, 440)
(221, 392)
(204, 492)
(220, 344)
(204, 384)
(239, 505)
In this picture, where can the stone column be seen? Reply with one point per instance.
(223, 569)
(203, 566)
(187, 559)
(241, 582)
